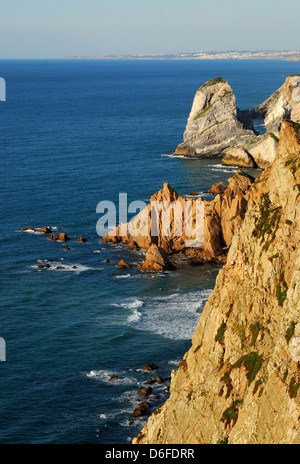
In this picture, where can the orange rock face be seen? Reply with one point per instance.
(222, 216)
(81, 240)
(218, 188)
(156, 261)
(63, 237)
(123, 265)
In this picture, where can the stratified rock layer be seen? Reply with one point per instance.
(240, 381)
(216, 127)
(214, 123)
(282, 105)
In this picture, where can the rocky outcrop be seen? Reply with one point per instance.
(218, 188)
(221, 217)
(240, 381)
(284, 104)
(156, 261)
(263, 150)
(81, 240)
(123, 265)
(62, 237)
(214, 123)
(216, 127)
(42, 230)
(237, 156)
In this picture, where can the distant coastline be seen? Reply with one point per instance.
(229, 55)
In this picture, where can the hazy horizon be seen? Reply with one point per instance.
(40, 30)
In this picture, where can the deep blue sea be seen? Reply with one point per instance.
(74, 133)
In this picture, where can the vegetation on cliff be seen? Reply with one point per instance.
(240, 381)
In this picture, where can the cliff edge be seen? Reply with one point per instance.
(240, 380)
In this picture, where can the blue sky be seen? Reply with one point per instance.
(57, 28)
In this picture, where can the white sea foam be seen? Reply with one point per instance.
(103, 375)
(133, 304)
(125, 276)
(135, 318)
(171, 155)
(175, 316)
(30, 231)
(74, 267)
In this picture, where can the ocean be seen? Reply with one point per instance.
(74, 133)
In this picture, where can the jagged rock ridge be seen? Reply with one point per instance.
(222, 216)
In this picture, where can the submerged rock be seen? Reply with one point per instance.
(150, 367)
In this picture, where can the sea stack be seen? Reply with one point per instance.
(217, 128)
(215, 123)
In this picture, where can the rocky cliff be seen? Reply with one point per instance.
(216, 127)
(283, 104)
(240, 380)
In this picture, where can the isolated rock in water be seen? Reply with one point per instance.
(62, 237)
(123, 265)
(145, 391)
(238, 156)
(81, 240)
(53, 237)
(150, 367)
(214, 123)
(141, 409)
(156, 260)
(44, 230)
(284, 104)
(218, 188)
(193, 193)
